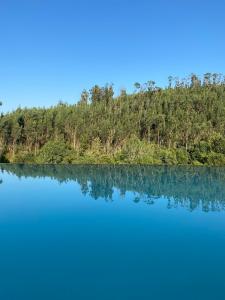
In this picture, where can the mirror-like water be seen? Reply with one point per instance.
(111, 232)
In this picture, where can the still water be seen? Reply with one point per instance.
(106, 232)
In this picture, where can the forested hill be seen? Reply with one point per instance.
(183, 123)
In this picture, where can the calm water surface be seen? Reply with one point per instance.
(104, 232)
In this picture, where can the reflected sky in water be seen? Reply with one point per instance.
(112, 232)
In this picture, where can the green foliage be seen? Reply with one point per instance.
(216, 159)
(181, 124)
(218, 145)
(182, 157)
(168, 157)
(3, 159)
(138, 152)
(200, 152)
(53, 152)
(24, 157)
(131, 150)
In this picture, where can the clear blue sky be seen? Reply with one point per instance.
(51, 50)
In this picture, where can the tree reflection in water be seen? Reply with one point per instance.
(189, 187)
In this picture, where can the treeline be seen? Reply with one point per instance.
(183, 123)
(190, 187)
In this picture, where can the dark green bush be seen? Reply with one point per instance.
(218, 145)
(53, 152)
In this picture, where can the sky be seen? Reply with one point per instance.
(52, 50)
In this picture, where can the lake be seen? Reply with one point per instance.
(111, 232)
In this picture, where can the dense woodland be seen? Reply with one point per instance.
(190, 187)
(183, 123)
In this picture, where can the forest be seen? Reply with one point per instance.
(180, 124)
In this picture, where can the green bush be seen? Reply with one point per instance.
(168, 156)
(53, 152)
(182, 157)
(132, 150)
(218, 145)
(216, 159)
(200, 152)
(24, 157)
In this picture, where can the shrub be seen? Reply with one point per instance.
(132, 149)
(182, 157)
(53, 152)
(200, 152)
(167, 156)
(218, 145)
(216, 159)
(24, 157)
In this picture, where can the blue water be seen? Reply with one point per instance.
(101, 232)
